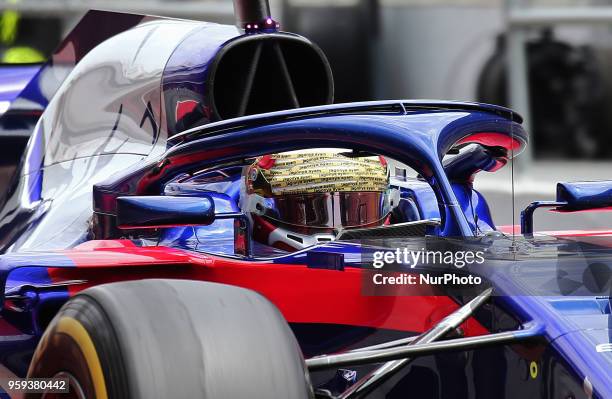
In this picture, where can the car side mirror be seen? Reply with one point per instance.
(584, 195)
(571, 197)
(163, 211)
(150, 212)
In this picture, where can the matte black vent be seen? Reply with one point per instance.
(268, 72)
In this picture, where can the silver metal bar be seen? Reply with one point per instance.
(426, 349)
(385, 345)
(454, 320)
(395, 362)
(544, 16)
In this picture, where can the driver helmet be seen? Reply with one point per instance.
(300, 198)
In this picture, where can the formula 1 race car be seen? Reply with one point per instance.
(193, 218)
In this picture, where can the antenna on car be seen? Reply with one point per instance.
(514, 249)
(254, 15)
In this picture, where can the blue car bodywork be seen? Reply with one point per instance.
(116, 127)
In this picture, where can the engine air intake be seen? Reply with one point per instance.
(268, 72)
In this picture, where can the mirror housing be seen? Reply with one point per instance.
(571, 197)
(157, 211)
(584, 195)
(164, 211)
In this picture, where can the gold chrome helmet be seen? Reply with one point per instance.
(299, 198)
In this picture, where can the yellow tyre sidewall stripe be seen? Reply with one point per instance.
(74, 329)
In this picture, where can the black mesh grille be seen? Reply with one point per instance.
(408, 229)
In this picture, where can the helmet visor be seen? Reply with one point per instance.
(330, 210)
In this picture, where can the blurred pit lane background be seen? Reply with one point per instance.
(549, 60)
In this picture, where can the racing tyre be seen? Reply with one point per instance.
(171, 339)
